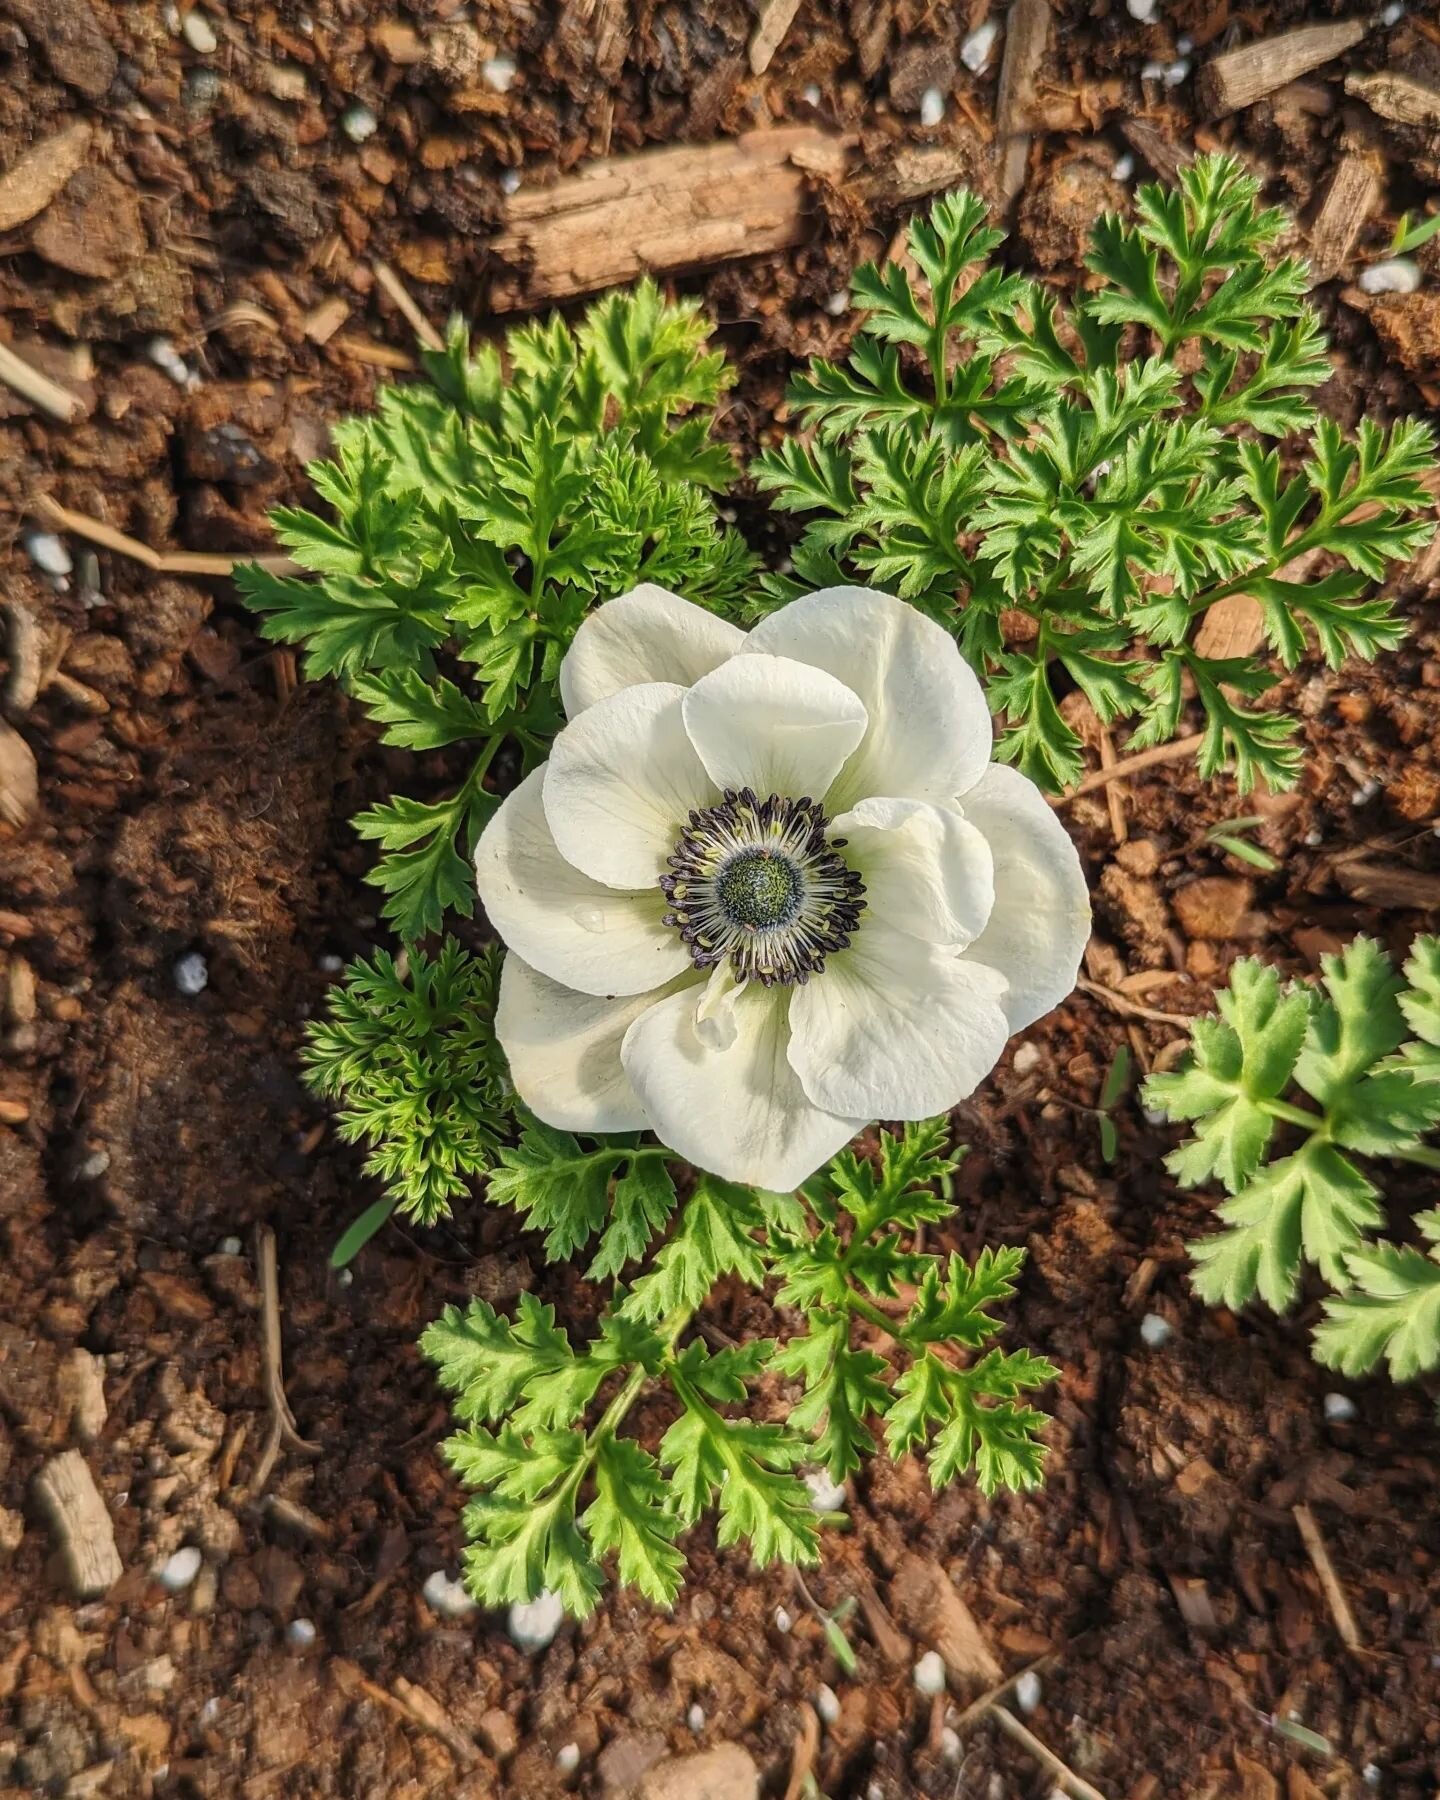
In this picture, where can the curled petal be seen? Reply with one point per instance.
(774, 725)
(926, 869)
(648, 634)
(573, 929)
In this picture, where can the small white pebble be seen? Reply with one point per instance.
(874, 1791)
(499, 72)
(1177, 71)
(1340, 1409)
(1370, 1775)
(177, 1572)
(825, 1495)
(1314, 838)
(950, 1745)
(932, 107)
(827, 1704)
(1366, 792)
(170, 17)
(510, 182)
(168, 360)
(229, 1246)
(975, 51)
(1184, 45)
(810, 93)
(1124, 167)
(837, 303)
(567, 1758)
(1391, 14)
(1155, 1331)
(359, 123)
(783, 1621)
(1027, 1057)
(199, 33)
(210, 1711)
(533, 1623)
(331, 965)
(345, 1277)
(929, 1674)
(1396, 275)
(192, 974)
(446, 1596)
(1027, 1691)
(1142, 11)
(300, 1633)
(1153, 71)
(47, 552)
(95, 1165)
(695, 1718)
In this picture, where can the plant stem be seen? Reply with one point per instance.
(1294, 1115)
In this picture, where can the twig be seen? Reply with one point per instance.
(804, 1751)
(22, 682)
(1132, 765)
(283, 1430)
(1060, 1772)
(413, 316)
(163, 562)
(978, 1708)
(1335, 1597)
(38, 389)
(427, 1712)
(1122, 1003)
(1115, 805)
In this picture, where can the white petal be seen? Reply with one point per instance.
(894, 1028)
(739, 1111)
(648, 634)
(774, 725)
(926, 868)
(929, 735)
(620, 782)
(1041, 923)
(569, 927)
(564, 1051)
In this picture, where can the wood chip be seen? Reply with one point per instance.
(1349, 201)
(1235, 626)
(400, 294)
(1397, 97)
(1151, 143)
(323, 321)
(776, 17)
(1027, 32)
(29, 185)
(1386, 884)
(1335, 1596)
(925, 1600)
(84, 1532)
(19, 778)
(1238, 78)
(427, 1712)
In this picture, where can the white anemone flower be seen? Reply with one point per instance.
(769, 886)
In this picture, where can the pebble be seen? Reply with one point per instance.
(532, 1624)
(47, 552)
(94, 1165)
(837, 303)
(1153, 71)
(192, 974)
(950, 1745)
(1366, 792)
(499, 72)
(202, 87)
(345, 1277)
(199, 33)
(177, 1572)
(1027, 1691)
(1155, 1331)
(510, 182)
(874, 1791)
(810, 93)
(359, 123)
(1142, 11)
(168, 360)
(567, 1758)
(1124, 167)
(783, 1621)
(932, 107)
(300, 1633)
(827, 1704)
(1177, 71)
(1314, 838)
(929, 1674)
(1397, 275)
(210, 1711)
(975, 51)
(695, 1718)
(1340, 1409)
(331, 965)
(1392, 14)
(447, 1596)
(230, 1246)
(1027, 1057)
(1184, 45)
(825, 1495)
(1370, 1775)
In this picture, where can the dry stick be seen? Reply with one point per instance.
(22, 683)
(1397, 97)
(803, 1751)
(400, 294)
(1335, 1596)
(775, 19)
(1027, 32)
(283, 1429)
(1349, 201)
(1238, 78)
(979, 1707)
(1122, 1003)
(1132, 765)
(1060, 1772)
(38, 389)
(163, 562)
(1118, 828)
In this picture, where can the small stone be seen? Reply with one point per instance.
(695, 1718)
(359, 123)
(725, 1773)
(532, 1624)
(1215, 908)
(783, 1621)
(229, 1246)
(446, 1596)
(810, 93)
(510, 182)
(1184, 44)
(1396, 275)
(47, 552)
(827, 1704)
(825, 1495)
(1392, 14)
(192, 974)
(177, 1572)
(1155, 1331)
(498, 1733)
(932, 107)
(1340, 1409)
(929, 1674)
(1027, 1691)
(1177, 71)
(202, 88)
(199, 33)
(1142, 11)
(567, 1758)
(168, 360)
(300, 1633)
(331, 965)
(975, 51)
(837, 304)
(94, 1165)
(499, 72)
(949, 1745)
(1026, 1059)
(1153, 71)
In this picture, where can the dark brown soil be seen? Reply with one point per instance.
(194, 799)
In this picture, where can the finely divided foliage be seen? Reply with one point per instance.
(1111, 469)
(1362, 1055)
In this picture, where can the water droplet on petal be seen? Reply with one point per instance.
(589, 918)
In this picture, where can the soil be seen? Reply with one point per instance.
(194, 799)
